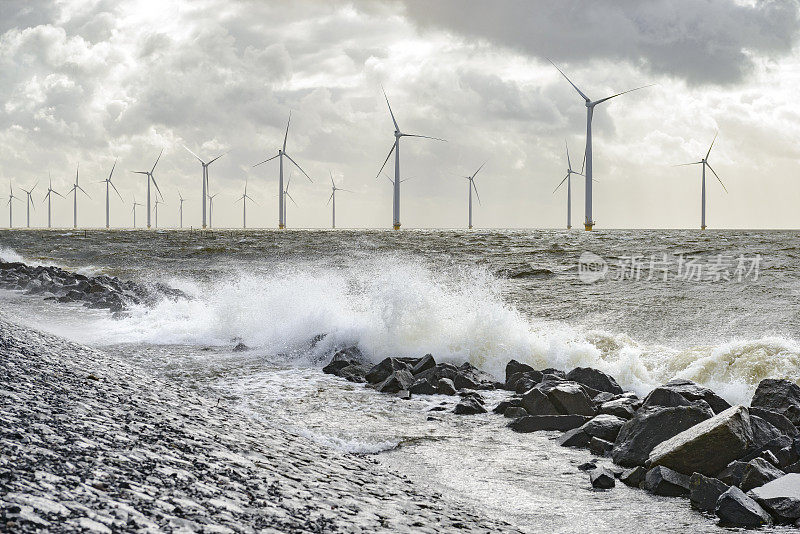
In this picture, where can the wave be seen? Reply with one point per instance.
(10, 256)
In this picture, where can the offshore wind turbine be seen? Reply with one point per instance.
(211, 208)
(156, 210)
(286, 193)
(281, 153)
(332, 198)
(180, 209)
(396, 149)
(11, 198)
(151, 178)
(704, 163)
(134, 210)
(29, 202)
(244, 198)
(568, 179)
(470, 187)
(590, 105)
(75, 188)
(108, 182)
(48, 198)
(205, 180)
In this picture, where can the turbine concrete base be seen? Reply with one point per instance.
(588, 226)
(281, 227)
(396, 226)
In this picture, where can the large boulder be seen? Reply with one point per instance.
(425, 363)
(381, 371)
(694, 392)
(575, 438)
(708, 446)
(513, 367)
(780, 396)
(779, 421)
(535, 423)
(445, 386)
(704, 492)
(470, 377)
(734, 508)
(781, 497)
(663, 481)
(601, 478)
(469, 406)
(570, 399)
(423, 386)
(634, 476)
(536, 402)
(763, 432)
(732, 473)
(604, 427)
(624, 407)
(664, 397)
(648, 428)
(758, 472)
(522, 382)
(594, 379)
(396, 381)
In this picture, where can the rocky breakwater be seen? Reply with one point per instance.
(102, 292)
(92, 444)
(741, 463)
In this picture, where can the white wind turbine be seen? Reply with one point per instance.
(704, 163)
(211, 208)
(180, 209)
(48, 198)
(74, 190)
(286, 192)
(108, 182)
(134, 210)
(396, 149)
(151, 178)
(29, 202)
(244, 198)
(590, 105)
(332, 198)
(11, 198)
(205, 181)
(568, 179)
(156, 210)
(470, 187)
(281, 153)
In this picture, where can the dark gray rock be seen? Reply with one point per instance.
(694, 392)
(335, 366)
(396, 381)
(506, 404)
(734, 508)
(605, 427)
(445, 387)
(536, 402)
(705, 491)
(594, 379)
(514, 412)
(779, 396)
(535, 423)
(570, 399)
(381, 371)
(588, 466)
(664, 481)
(634, 476)
(354, 372)
(574, 438)
(423, 386)
(779, 421)
(601, 478)
(522, 382)
(664, 397)
(763, 432)
(558, 373)
(470, 377)
(781, 497)
(648, 428)
(469, 406)
(425, 363)
(513, 367)
(404, 394)
(758, 472)
(732, 473)
(600, 447)
(774, 446)
(622, 407)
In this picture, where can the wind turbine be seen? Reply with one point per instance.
(334, 189)
(205, 181)
(211, 208)
(29, 202)
(568, 179)
(396, 149)
(48, 198)
(470, 187)
(134, 210)
(286, 192)
(180, 209)
(704, 163)
(108, 182)
(74, 190)
(151, 178)
(156, 210)
(590, 105)
(11, 198)
(244, 198)
(281, 153)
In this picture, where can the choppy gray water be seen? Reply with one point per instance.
(720, 308)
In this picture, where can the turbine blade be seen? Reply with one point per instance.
(479, 169)
(583, 165)
(157, 188)
(396, 127)
(290, 197)
(112, 170)
(286, 136)
(332, 182)
(117, 190)
(215, 159)
(193, 154)
(560, 183)
(685, 164)
(82, 190)
(329, 199)
(139, 172)
(570, 81)
(156, 163)
(387, 158)
(59, 194)
(569, 163)
(476, 191)
(622, 93)
(712, 145)
(425, 137)
(299, 167)
(718, 178)
(266, 160)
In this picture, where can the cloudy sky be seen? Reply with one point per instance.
(90, 81)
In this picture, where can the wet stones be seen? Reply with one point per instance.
(396, 381)
(779, 396)
(704, 492)
(380, 372)
(594, 379)
(471, 405)
(734, 508)
(633, 477)
(535, 423)
(601, 478)
(781, 497)
(758, 472)
(664, 481)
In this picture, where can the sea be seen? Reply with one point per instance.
(721, 308)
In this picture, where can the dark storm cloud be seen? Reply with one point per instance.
(701, 41)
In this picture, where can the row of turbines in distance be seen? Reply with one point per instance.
(283, 191)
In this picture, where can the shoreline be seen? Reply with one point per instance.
(92, 443)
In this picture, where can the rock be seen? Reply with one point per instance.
(536, 402)
(734, 508)
(600, 447)
(506, 404)
(404, 394)
(558, 373)
(594, 379)
(381, 371)
(354, 373)
(605, 427)
(708, 446)
(470, 377)
(763, 432)
(705, 491)
(513, 367)
(648, 428)
(574, 438)
(240, 347)
(534, 423)
(779, 421)
(423, 386)
(515, 411)
(587, 466)
(445, 387)
(779, 396)
(664, 481)
(633, 477)
(601, 478)
(758, 472)
(621, 407)
(396, 381)
(469, 406)
(771, 458)
(781, 497)
(693, 392)
(335, 366)
(425, 363)
(664, 397)
(569, 399)
(522, 382)
(733, 473)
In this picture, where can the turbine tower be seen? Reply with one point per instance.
(590, 105)
(211, 208)
(205, 181)
(156, 210)
(286, 192)
(332, 198)
(180, 209)
(11, 198)
(108, 182)
(74, 190)
(244, 198)
(134, 210)
(568, 179)
(29, 202)
(470, 187)
(151, 178)
(704, 163)
(48, 198)
(281, 153)
(396, 149)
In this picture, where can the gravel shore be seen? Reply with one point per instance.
(91, 443)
